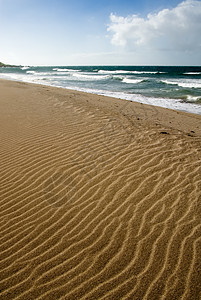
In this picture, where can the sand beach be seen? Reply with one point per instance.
(100, 198)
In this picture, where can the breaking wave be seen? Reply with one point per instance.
(185, 84)
(90, 77)
(128, 80)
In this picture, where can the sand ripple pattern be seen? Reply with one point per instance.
(94, 207)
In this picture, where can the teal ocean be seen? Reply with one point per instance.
(172, 87)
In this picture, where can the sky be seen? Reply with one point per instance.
(100, 32)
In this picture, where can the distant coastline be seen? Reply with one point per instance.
(10, 66)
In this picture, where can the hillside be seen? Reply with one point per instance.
(5, 65)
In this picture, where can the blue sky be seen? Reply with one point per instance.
(102, 32)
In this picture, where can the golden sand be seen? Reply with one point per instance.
(99, 197)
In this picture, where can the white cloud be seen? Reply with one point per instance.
(170, 29)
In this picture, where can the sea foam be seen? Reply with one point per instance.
(128, 80)
(90, 77)
(192, 73)
(31, 72)
(25, 68)
(186, 84)
(65, 70)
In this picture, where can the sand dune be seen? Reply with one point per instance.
(99, 198)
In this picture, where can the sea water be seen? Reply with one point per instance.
(171, 87)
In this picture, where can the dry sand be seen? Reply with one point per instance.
(99, 197)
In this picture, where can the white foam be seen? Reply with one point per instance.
(193, 73)
(31, 72)
(128, 80)
(24, 68)
(130, 72)
(193, 98)
(65, 70)
(185, 83)
(169, 82)
(190, 85)
(49, 74)
(145, 72)
(160, 102)
(118, 77)
(90, 77)
(113, 72)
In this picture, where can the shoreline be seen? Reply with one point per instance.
(188, 104)
(174, 119)
(99, 197)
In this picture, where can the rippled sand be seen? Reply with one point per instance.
(99, 197)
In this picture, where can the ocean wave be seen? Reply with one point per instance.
(39, 73)
(147, 72)
(190, 85)
(191, 99)
(113, 72)
(90, 77)
(31, 72)
(130, 72)
(192, 73)
(184, 84)
(169, 82)
(49, 74)
(129, 80)
(118, 77)
(24, 68)
(24, 77)
(65, 70)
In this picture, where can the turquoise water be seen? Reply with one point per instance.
(172, 87)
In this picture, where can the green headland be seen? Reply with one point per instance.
(6, 65)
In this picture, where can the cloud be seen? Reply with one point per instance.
(169, 29)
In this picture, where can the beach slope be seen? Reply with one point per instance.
(99, 197)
